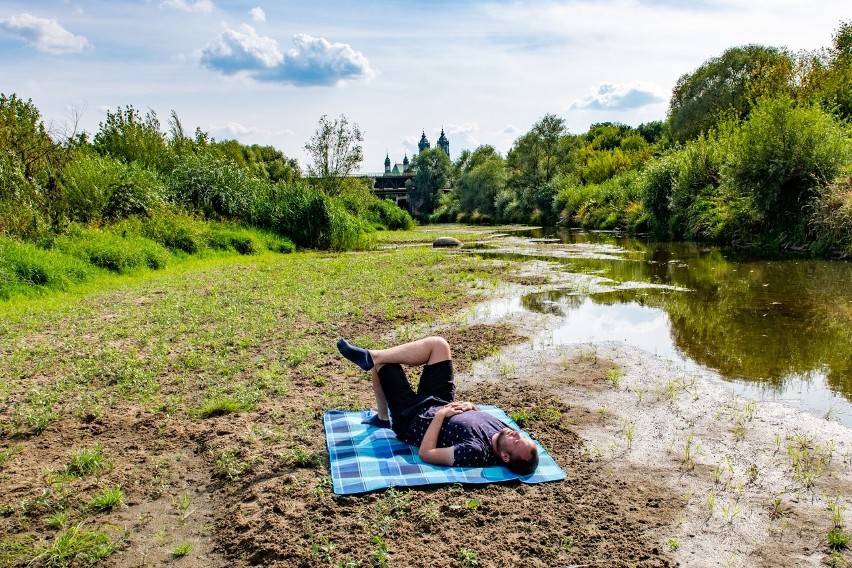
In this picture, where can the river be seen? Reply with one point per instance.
(774, 328)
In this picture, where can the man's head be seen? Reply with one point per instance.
(515, 451)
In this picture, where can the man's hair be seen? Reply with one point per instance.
(524, 466)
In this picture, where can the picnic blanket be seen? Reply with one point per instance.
(366, 458)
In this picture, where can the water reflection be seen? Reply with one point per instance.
(778, 324)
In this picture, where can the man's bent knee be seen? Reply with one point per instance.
(440, 349)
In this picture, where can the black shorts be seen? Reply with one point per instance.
(436, 388)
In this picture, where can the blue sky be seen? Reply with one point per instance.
(264, 72)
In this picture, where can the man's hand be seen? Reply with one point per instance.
(456, 408)
(429, 452)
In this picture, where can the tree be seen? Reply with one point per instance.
(479, 178)
(433, 172)
(730, 82)
(125, 135)
(23, 136)
(334, 151)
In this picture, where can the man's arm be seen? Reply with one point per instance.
(429, 452)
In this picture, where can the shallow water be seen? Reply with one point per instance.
(775, 329)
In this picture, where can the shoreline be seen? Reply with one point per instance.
(759, 483)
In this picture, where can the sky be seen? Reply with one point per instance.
(264, 72)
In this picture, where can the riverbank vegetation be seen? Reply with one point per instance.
(756, 151)
(133, 198)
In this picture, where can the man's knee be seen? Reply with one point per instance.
(440, 349)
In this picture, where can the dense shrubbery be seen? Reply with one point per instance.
(762, 146)
(135, 197)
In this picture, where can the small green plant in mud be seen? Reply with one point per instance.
(808, 460)
(628, 428)
(640, 393)
(614, 376)
(230, 466)
(107, 498)
(302, 457)
(87, 461)
(221, 405)
(837, 507)
(182, 502)
(181, 549)
(471, 504)
(57, 520)
(711, 503)
(379, 556)
(467, 558)
(74, 546)
(777, 509)
(690, 450)
(430, 512)
(546, 414)
(603, 411)
(673, 544)
(730, 511)
(9, 453)
(37, 413)
(838, 539)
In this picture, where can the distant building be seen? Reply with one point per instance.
(391, 184)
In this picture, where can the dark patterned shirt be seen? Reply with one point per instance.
(469, 433)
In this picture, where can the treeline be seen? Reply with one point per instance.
(133, 196)
(756, 150)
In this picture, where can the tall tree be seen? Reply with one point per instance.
(335, 151)
(479, 179)
(433, 172)
(23, 135)
(728, 83)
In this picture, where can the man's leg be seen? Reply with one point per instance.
(381, 402)
(426, 351)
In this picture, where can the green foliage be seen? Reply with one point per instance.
(175, 230)
(726, 83)
(23, 136)
(87, 461)
(334, 151)
(72, 547)
(127, 136)
(781, 155)
(118, 253)
(213, 187)
(433, 173)
(309, 217)
(656, 185)
(23, 265)
(107, 498)
(230, 237)
(614, 204)
(22, 205)
(478, 182)
(831, 218)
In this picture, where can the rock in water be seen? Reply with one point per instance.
(446, 242)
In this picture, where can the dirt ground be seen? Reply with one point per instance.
(665, 468)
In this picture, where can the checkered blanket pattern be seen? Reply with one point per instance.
(364, 458)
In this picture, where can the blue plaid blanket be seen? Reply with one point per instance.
(366, 458)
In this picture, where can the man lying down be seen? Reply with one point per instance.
(448, 432)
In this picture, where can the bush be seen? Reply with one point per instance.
(780, 157)
(114, 252)
(212, 187)
(239, 239)
(309, 217)
(24, 266)
(831, 217)
(88, 182)
(175, 230)
(20, 210)
(656, 183)
(390, 215)
(138, 192)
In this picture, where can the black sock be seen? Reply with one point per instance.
(357, 355)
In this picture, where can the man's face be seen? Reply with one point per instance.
(512, 443)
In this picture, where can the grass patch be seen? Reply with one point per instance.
(87, 461)
(72, 547)
(107, 499)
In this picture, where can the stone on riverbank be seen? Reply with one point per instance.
(446, 242)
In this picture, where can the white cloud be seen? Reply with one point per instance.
(197, 7)
(610, 96)
(464, 128)
(509, 129)
(257, 14)
(311, 61)
(235, 130)
(46, 35)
